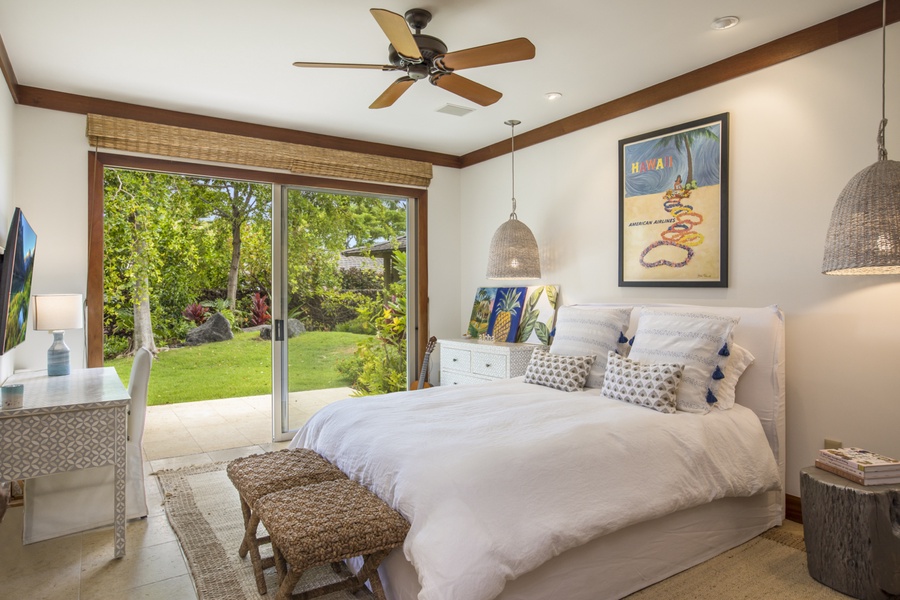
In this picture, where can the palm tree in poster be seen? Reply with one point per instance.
(683, 140)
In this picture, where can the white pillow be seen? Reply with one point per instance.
(652, 385)
(738, 362)
(700, 341)
(586, 330)
(566, 373)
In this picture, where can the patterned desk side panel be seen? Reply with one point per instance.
(41, 444)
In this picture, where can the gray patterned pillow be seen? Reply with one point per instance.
(646, 384)
(566, 373)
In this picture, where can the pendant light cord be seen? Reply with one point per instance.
(882, 149)
(512, 154)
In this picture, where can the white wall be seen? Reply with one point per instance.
(51, 189)
(7, 202)
(799, 132)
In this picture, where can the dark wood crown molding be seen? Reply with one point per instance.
(827, 33)
(8, 74)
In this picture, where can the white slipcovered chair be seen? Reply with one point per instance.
(65, 503)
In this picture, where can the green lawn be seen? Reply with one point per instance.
(242, 367)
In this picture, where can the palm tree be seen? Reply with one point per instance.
(682, 141)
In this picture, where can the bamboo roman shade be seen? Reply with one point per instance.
(196, 144)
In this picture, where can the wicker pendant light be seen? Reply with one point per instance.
(864, 234)
(514, 251)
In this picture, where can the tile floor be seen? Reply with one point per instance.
(81, 566)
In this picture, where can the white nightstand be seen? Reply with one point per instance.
(474, 361)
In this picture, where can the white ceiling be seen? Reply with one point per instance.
(232, 58)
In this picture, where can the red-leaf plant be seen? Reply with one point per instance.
(260, 310)
(195, 313)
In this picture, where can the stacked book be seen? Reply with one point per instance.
(860, 466)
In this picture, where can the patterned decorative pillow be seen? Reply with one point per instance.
(566, 373)
(652, 385)
(585, 330)
(738, 362)
(701, 341)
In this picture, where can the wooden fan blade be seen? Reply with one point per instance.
(468, 89)
(394, 91)
(397, 32)
(492, 54)
(322, 65)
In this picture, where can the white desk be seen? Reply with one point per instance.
(64, 423)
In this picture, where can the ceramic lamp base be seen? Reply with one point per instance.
(58, 356)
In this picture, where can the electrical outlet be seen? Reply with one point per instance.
(832, 444)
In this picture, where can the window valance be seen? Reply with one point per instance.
(181, 142)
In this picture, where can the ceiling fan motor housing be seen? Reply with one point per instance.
(429, 46)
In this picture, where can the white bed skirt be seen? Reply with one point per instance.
(627, 560)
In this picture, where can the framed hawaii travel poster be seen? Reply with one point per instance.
(673, 206)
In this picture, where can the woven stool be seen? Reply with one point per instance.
(260, 474)
(328, 523)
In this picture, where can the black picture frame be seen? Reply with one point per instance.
(673, 206)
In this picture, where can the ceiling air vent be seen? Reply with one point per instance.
(458, 111)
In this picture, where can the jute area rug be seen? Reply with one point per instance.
(204, 511)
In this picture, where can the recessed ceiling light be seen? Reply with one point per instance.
(725, 22)
(553, 96)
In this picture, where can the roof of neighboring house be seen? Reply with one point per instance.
(382, 249)
(360, 262)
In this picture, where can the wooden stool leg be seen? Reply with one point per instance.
(280, 564)
(286, 589)
(253, 543)
(369, 571)
(245, 510)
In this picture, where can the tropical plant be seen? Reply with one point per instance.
(195, 313)
(506, 310)
(259, 310)
(379, 364)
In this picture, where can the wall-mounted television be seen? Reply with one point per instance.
(15, 282)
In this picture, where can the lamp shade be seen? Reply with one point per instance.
(864, 234)
(514, 252)
(56, 312)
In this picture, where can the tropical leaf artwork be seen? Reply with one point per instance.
(538, 314)
(482, 308)
(506, 315)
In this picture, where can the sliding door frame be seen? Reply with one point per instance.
(98, 161)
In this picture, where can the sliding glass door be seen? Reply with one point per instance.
(341, 307)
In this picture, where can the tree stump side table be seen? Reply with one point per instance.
(852, 534)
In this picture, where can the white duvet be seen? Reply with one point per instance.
(498, 478)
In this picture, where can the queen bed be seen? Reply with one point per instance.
(521, 491)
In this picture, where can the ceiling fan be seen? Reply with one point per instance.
(421, 56)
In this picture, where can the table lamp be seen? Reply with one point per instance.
(56, 313)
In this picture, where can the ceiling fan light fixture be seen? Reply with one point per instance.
(514, 251)
(725, 22)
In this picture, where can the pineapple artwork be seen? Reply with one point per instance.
(507, 311)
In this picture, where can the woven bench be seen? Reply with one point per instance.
(327, 523)
(260, 474)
